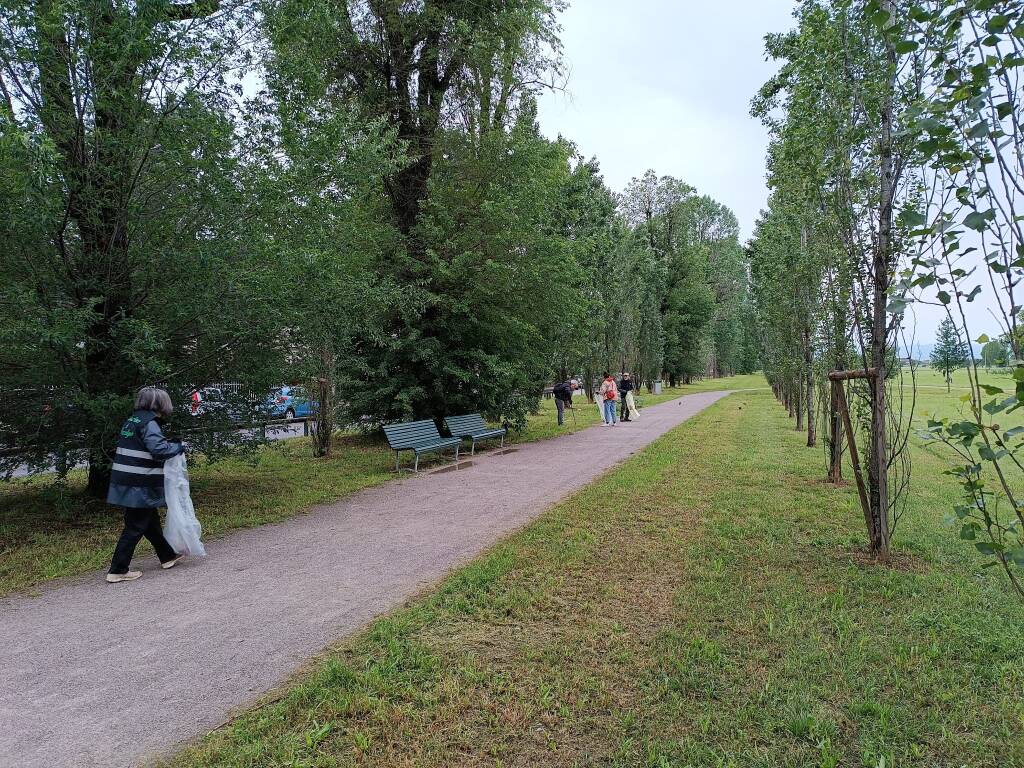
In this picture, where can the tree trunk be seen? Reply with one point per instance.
(835, 447)
(799, 397)
(835, 469)
(878, 458)
(99, 473)
(323, 437)
(812, 435)
(98, 165)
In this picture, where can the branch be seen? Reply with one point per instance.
(7, 106)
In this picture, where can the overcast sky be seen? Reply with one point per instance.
(667, 84)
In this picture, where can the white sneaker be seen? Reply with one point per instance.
(114, 578)
(171, 563)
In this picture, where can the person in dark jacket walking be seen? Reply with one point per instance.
(563, 398)
(137, 482)
(625, 387)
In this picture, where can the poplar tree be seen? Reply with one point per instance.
(949, 353)
(839, 111)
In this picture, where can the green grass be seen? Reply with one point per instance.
(544, 424)
(933, 395)
(48, 533)
(706, 604)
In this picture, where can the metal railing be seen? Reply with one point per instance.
(263, 426)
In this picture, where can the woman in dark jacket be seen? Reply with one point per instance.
(137, 481)
(625, 387)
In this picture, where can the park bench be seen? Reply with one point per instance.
(473, 427)
(418, 437)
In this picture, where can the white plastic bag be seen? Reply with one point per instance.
(181, 528)
(631, 406)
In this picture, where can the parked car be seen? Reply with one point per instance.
(290, 403)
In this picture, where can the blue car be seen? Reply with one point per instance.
(290, 403)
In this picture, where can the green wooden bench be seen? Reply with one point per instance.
(418, 437)
(473, 427)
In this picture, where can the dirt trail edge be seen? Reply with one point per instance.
(117, 674)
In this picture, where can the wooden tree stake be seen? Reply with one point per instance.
(837, 387)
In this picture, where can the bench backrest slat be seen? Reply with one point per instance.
(469, 424)
(411, 434)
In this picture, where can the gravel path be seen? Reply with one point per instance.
(115, 674)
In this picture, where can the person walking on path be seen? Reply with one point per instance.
(625, 387)
(563, 398)
(609, 394)
(137, 482)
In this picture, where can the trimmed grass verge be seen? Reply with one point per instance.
(46, 534)
(707, 604)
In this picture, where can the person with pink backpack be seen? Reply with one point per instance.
(609, 395)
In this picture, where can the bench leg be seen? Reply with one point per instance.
(416, 467)
(472, 450)
(398, 468)
(503, 441)
(457, 453)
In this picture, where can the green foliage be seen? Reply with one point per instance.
(949, 353)
(483, 307)
(729, 622)
(381, 219)
(968, 245)
(829, 242)
(695, 270)
(124, 212)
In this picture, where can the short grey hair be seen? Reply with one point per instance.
(154, 399)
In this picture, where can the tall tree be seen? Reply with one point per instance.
(839, 109)
(452, 84)
(949, 353)
(126, 261)
(995, 353)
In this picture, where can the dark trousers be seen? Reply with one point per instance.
(139, 523)
(560, 407)
(625, 410)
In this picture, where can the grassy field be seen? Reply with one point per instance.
(706, 604)
(46, 534)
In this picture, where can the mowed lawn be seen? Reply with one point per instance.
(47, 533)
(708, 603)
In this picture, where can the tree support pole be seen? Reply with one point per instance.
(837, 378)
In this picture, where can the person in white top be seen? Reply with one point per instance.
(608, 396)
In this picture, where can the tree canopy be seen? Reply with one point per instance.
(356, 196)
